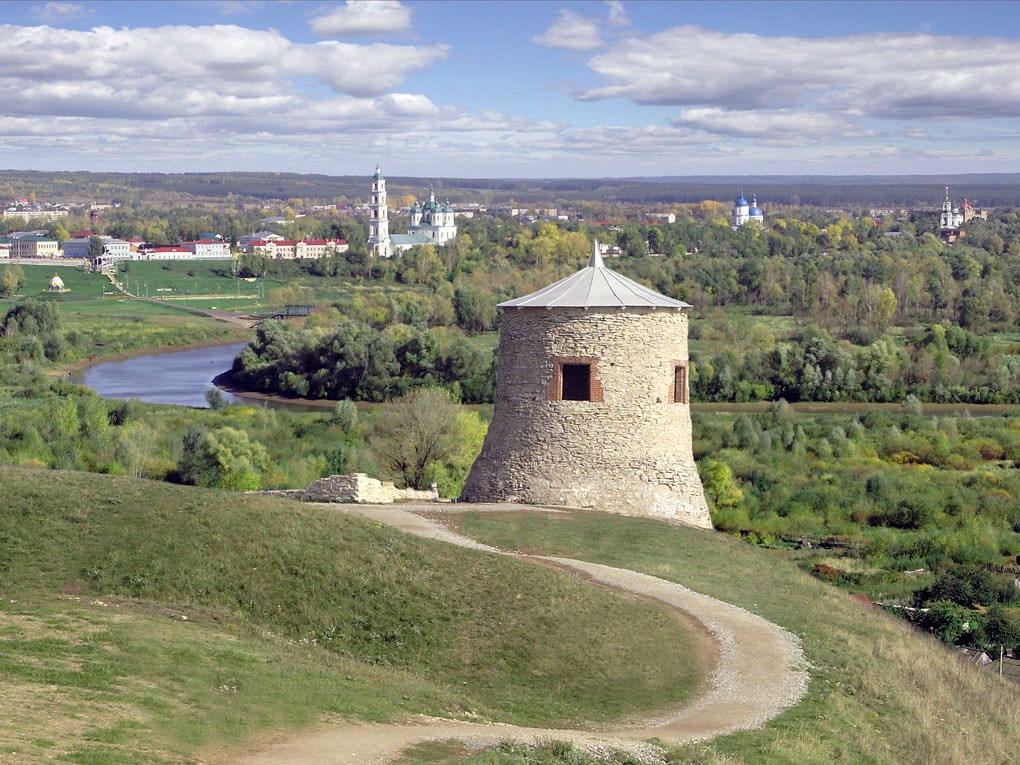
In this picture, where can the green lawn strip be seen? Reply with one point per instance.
(508, 639)
(192, 277)
(880, 692)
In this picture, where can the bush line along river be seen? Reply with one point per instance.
(183, 377)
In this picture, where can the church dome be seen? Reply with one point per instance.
(741, 202)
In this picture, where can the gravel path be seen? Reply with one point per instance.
(760, 671)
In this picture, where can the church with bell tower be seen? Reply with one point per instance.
(430, 223)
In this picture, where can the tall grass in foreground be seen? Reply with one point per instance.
(389, 623)
(880, 692)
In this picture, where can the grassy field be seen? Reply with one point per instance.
(880, 692)
(81, 286)
(111, 324)
(144, 622)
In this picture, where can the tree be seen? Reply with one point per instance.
(96, 246)
(720, 487)
(945, 620)
(476, 310)
(345, 415)
(135, 446)
(225, 458)
(12, 281)
(215, 399)
(415, 433)
(1002, 627)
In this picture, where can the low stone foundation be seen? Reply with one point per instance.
(356, 487)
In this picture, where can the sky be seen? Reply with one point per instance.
(523, 89)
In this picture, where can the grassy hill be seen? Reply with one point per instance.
(143, 622)
(880, 692)
(150, 623)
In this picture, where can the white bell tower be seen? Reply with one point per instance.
(379, 225)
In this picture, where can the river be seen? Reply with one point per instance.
(183, 377)
(175, 377)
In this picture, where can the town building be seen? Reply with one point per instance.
(591, 406)
(286, 249)
(970, 213)
(744, 213)
(661, 217)
(208, 249)
(167, 252)
(244, 242)
(34, 246)
(116, 249)
(36, 213)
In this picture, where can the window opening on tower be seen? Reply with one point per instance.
(577, 382)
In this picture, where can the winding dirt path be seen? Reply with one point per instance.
(760, 671)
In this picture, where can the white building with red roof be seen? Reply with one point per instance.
(208, 249)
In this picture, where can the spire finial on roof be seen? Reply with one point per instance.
(595, 261)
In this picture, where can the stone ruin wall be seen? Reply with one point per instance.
(356, 487)
(629, 453)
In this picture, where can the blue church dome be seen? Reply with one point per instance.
(741, 202)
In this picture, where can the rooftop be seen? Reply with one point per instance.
(595, 287)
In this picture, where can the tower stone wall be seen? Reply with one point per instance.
(625, 450)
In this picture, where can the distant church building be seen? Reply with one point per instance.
(591, 404)
(433, 220)
(429, 224)
(747, 213)
(953, 218)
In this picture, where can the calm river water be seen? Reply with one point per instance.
(180, 377)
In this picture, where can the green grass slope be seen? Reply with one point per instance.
(144, 622)
(880, 692)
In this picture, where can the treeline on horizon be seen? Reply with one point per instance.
(912, 191)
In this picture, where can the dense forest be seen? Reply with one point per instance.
(815, 307)
(990, 190)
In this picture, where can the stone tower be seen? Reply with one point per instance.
(591, 402)
(379, 223)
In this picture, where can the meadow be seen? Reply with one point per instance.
(881, 692)
(148, 623)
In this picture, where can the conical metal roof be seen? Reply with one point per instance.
(595, 287)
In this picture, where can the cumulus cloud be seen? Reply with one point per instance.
(194, 70)
(617, 13)
(237, 7)
(888, 76)
(773, 125)
(571, 31)
(56, 12)
(361, 18)
(361, 70)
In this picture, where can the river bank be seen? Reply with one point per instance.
(80, 366)
(224, 382)
(221, 379)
